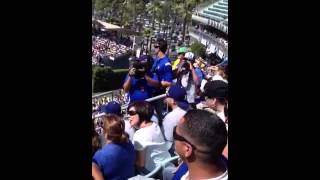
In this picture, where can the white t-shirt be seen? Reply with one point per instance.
(170, 121)
(129, 129)
(150, 139)
(191, 92)
(222, 116)
(214, 78)
(224, 176)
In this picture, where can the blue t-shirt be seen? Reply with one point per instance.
(163, 69)
(181, 171)
(199, 74)
(140, 90)
(116, 161)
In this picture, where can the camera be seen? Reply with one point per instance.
(140, 69)
(185, 68)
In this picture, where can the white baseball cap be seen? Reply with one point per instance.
(189, 55)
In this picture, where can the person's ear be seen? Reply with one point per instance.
(187, 150)
(214, 101)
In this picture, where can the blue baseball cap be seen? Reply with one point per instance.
(112, 108)
(178, 93)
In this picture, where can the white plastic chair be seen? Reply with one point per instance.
(162, 166)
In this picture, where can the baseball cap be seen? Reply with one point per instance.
(216, 89)
(112, 108)
(189, 55)
(178, 93)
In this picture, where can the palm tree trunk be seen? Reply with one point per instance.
(184, 27)
(171, 32)
(150, 45)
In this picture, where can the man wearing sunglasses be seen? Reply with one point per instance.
(162, 68)
(200, 138)
(162, 64)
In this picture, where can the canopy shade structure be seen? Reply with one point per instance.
(109, 26)
(112, 27)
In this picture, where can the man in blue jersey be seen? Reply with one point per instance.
(163, 69)
(162, 65)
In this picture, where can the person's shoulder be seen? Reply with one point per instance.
(181, 111)
(101, 156)
(166, 119)
(140, 133)
(129, 146)
(176, 113)
(108, 149)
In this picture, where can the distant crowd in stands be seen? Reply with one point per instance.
(97, 103)
(107, 46)
(221, 41)
(191, 122)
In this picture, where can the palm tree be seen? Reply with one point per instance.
(184, 8)
(155, 8)
(147, 33)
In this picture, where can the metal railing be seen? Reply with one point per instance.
(126, 104)
(205, 4)
(210, 22)
(211, 39)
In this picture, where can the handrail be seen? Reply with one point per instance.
(211, 22)
(205, 4)
(219, 45)
(149, 100)
(102, 94)
(125, 106)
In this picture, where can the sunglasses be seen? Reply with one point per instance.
(132, 113)
(156, 46)
(177, 137)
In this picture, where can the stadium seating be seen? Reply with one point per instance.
(217, 11)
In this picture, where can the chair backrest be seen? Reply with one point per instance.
(161, 167)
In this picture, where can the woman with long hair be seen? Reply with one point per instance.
(116, 159)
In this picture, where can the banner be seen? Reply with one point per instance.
(212, 48)
(220, 54)
(203, 41)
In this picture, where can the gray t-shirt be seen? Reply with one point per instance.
(170, 121)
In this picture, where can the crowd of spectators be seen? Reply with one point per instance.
(104, 48)
(191, 121)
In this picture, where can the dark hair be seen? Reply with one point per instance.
(144, 109)
(95, 140)
(207, 131)
(162, 45)
(114, 128)
(217, 89)
(185, 68)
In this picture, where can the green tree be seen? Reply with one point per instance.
(156, 10)
(147, 33)
(198, 49)
(189, 6)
